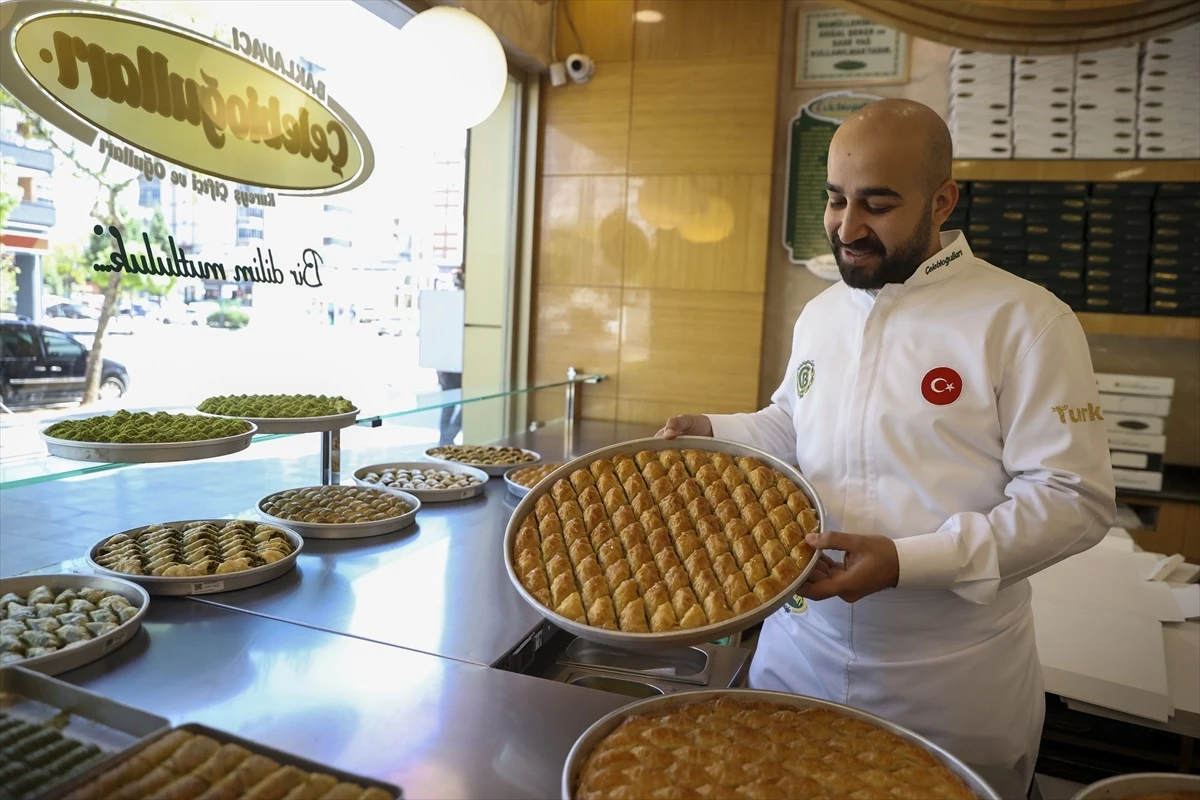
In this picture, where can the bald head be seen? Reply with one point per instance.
(889, 190)
(911, 131)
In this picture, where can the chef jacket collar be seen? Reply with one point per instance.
(947, 262)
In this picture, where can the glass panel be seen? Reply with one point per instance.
(61, 346)
(437, 415)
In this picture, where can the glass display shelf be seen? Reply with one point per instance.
(24, 460)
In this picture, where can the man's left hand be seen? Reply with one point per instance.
(871, 564)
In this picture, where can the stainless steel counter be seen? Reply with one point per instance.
(436, 727)
(438, 587)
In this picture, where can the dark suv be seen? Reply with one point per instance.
(41, 366)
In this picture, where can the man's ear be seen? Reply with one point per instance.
(944, 201)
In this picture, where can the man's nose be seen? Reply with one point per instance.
(852, 226)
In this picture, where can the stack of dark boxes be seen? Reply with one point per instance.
(1118, 247)
(1055, 256)
(1175, 251)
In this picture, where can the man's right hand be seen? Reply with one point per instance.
(686, 425)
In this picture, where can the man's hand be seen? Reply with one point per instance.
(686, 425)
(871, 564)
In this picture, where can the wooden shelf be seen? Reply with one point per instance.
(1141, 325)
(1182, 171)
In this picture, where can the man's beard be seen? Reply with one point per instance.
(894, 267)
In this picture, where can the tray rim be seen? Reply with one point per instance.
(68, 659)
(516, 488)
(348, 530)
(1101, 788)
(429, 495)
(268, 572)
(491, 469)
(283, 757)
(323, 424)
(129, 452)
(78, 693)
(680, 638)
(587, 741)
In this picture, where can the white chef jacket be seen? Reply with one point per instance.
(956, 413)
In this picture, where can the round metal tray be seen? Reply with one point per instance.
(333, 422)
(496, 470)
(209, 584)
(71, 657)
(605, 725)
(128, 453)
(680, 638)
(353, 530)
(516, 488)
(1120, 787)
(427, 495)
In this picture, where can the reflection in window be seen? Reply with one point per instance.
(59, 345)
(17, 343)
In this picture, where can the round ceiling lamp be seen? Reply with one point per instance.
(452, 69)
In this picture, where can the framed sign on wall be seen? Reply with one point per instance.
(837, 48)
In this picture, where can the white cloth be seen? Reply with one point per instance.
(979, 493)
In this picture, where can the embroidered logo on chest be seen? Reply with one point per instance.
(805, 374)
(941, 386)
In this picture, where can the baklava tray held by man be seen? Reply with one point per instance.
(663, 543)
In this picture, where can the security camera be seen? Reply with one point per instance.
(580, 68)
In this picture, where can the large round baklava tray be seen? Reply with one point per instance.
(749, 744)
(199, 556)
(656, 543)
(340, 512)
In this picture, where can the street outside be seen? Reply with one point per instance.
(180, 365)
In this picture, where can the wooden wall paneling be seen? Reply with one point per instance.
(582, 237)
(703, 116)
(586, 126)
(605, 28)
(698, 232)
(695, 349)
(579, 326)
(708, 29)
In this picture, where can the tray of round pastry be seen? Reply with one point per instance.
(1143, 786)
(143, 438)
(197, 761)
(198, 556)
(520, 480)
(284, 413)
(424, 481)
(746, 743)
(340, 512)
(491, 459)
(55, 623)
(657, 543)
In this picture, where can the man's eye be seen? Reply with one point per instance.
(878, 209)
(835, 203)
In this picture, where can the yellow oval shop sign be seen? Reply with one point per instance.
(180, 96)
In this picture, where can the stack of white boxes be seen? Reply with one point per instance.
(981, 104)
(1106, 103)
(1135, 409)
(1169, 96)
(1043, 106)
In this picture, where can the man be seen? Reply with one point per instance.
(923, 400)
